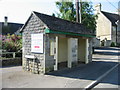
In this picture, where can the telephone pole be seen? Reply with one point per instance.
(78, 10)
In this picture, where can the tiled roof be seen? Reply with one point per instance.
(62, 25)
(11, 28)
(112, 17)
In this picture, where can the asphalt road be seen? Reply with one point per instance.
(78, 77)
(112, 80)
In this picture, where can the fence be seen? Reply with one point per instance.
(13, 54)
(10, 59)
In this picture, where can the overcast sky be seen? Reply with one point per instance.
(18, 11)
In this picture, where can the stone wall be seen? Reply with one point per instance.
(114, 36)
(118, 37)
(90, 49)
(11, 62)
(96, 42)
(34, 25)
(49, 59)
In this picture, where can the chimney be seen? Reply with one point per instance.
(6, 21)
(98, 8)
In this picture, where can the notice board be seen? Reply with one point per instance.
(37, 43)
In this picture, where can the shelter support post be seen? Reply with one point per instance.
(56, 61)
(87, 51)
(72, 51)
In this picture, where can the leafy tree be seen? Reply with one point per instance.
(67, 11)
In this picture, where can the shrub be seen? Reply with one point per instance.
(12, 43)
(102, 43)
(112, 44)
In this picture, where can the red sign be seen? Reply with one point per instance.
(37, 46)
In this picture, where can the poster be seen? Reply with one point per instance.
(37, 43)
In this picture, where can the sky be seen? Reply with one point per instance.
(18, 11)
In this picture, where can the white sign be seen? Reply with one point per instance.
(37, 43)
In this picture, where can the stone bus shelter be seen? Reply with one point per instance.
(51, 43)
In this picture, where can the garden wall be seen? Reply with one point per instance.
(12, 61)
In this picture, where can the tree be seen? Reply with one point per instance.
(67, 11)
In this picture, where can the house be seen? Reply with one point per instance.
(51, 43)
(8, 27)
(108, 27)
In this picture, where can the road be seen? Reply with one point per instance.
(112, 80)
(78, 77)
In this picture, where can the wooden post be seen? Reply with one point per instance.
(13, 54)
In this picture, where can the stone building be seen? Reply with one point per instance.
(108, 26)
(51, 43)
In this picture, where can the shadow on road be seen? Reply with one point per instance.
(108, 48)
(90, 71)
(109, 51)
(95, 69)
(104, 59)
(113, 77)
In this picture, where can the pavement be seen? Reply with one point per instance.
(77, 77)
